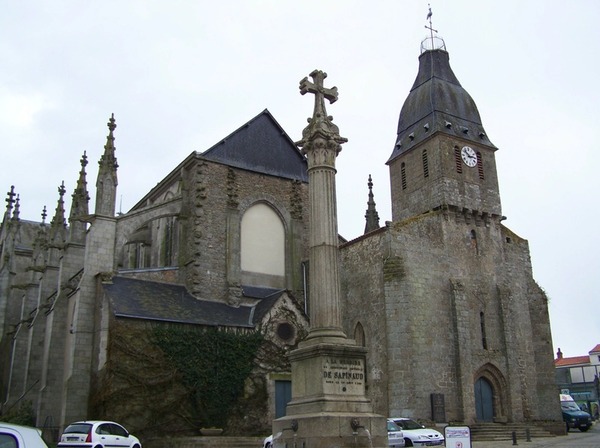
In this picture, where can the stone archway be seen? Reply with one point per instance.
(490, 390)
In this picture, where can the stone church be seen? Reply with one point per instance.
(442, 297)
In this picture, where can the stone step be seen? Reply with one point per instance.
(491, 431)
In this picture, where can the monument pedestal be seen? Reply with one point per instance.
(329, 407)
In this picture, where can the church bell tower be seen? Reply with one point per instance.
(443, 158)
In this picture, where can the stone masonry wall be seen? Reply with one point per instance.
(456, 300)
(212, 192)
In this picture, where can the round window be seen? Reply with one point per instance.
(285, 331)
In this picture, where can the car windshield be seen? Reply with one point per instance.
(569, 406)
(78, 428)
(393, 427)
(408, 424)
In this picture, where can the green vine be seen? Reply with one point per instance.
(213, 365)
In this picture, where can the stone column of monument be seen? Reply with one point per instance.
(329, 407)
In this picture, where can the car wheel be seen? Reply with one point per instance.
(408, 442)
(584, 428)
(268, 445)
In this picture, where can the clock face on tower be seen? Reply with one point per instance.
(469, 156)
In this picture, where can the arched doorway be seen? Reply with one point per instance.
(484, 400)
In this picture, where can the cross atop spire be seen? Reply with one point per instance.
(44, 215)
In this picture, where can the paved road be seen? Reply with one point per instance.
(574, 439)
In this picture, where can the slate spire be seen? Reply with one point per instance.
(437, 103)
(371, 215)
(106, 184)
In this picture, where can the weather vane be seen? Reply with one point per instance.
(430, 27)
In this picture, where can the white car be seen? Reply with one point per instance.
(97, 434)
(268, 442)
(17, 436)
(395, 435)
(417, 435)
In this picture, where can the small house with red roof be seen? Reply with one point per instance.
(578, 377)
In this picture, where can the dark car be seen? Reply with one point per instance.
(572, 414)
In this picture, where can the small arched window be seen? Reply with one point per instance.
(359, 335)
(457, 160)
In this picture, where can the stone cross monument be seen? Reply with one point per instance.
(329, 407)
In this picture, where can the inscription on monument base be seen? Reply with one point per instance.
(343, 376)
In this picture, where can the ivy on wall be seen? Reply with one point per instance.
(213, 365)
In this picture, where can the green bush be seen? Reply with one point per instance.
(21, 415)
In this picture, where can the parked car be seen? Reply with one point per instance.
(416, 434)
(17, 436)
(395, 435)
(572, 414)
(268, 442)
(97, 434)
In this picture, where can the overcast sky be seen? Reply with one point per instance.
(181, 75)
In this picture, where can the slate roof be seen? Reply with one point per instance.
(261, 145)
(437, 103)
(148, 300)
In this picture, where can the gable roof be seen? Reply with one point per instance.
(261, 145)
(572, 361)
(596, 349)
(148, 300)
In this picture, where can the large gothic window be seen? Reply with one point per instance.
(262, 241)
